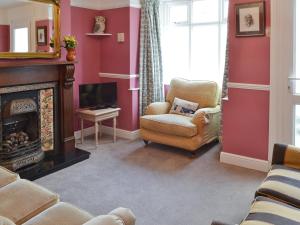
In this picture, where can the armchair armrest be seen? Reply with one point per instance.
(288, 155)
(119, 216)
(203, 115)
(157, 108)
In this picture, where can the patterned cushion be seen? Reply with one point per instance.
(283, 184)
(169, 124)
(183, 107)
(265, 211)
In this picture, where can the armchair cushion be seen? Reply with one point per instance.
(172, 124)
(205, 93)
(183, 107)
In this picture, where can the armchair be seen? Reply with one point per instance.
(186, 132)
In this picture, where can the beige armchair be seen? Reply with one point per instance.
(186, 132)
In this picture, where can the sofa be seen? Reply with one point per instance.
(277, 199)
(24, 202)
(162, 126)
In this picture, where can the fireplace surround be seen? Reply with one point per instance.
(36, 117)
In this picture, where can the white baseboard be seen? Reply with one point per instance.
(243, 161)
(130, 135)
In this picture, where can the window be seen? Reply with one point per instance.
(21, 38)
(194, 38)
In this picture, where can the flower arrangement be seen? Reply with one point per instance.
(69, 41)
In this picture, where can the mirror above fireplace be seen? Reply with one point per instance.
(27, 27)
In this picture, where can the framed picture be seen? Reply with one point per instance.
(250, 19)
(41, 33)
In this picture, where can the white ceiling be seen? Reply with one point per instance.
(11, 3)
(105, 4)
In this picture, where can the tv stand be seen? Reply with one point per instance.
(103, 107)
(97, 116)
(97, 107)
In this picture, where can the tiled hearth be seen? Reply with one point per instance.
(36, 118)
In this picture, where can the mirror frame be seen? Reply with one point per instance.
(56, 37)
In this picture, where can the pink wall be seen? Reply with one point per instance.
(105, 54)
(49, 25)
(4, 38)
(88, 51)
(246, 114)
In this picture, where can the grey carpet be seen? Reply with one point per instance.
(162, 185)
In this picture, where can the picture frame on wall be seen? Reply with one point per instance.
(250, 19)
(41, 33)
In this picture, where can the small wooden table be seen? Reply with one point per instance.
(97, 116)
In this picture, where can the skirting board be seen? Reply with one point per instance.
(130, 135)
(243, 161)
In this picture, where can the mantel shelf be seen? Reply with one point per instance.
(98, 34)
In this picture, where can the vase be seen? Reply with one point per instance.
(71, 54)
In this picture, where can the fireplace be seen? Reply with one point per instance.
(27, 117)
(36, 118)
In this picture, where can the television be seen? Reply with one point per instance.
(98, 96)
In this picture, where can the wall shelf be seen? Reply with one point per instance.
(98, 34)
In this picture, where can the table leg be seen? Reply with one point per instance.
(100, 128)
(115, 127)
(96, 133)
(81, 121)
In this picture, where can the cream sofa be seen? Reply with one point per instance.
(24, 202)
(185, 132)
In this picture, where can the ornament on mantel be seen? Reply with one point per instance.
(99, 26)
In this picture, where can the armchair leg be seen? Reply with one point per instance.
(146, 142)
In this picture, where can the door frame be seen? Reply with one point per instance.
(281, 62)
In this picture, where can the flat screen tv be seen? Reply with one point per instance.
(98, 96)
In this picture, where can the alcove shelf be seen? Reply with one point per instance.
(98, 34)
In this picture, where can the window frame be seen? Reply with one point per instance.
(222, 20)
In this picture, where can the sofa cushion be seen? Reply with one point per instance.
(22, 200)
(62, 214)
(7, 176)
(282, 183)
(5, 221)
(265, 211)
(172, 124)
(205, 93)
(183, 107)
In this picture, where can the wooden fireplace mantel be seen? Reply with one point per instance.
(62, 72)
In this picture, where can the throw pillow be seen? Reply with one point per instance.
(183, 107)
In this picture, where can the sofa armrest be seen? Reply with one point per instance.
(119, 216)
(157, 108)
(287, 155)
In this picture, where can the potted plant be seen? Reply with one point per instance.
(69, 43)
